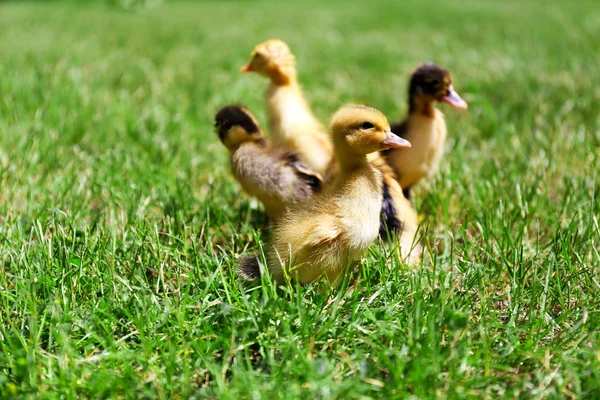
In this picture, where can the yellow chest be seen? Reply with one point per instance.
(360, 207)
(427, 137)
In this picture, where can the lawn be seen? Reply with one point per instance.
(120, 225)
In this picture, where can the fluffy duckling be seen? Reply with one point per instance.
(291, 121)
(332, 229)
(275, 177)
(398, 216)
(424, 127)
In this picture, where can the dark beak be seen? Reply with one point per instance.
(454, 99)
(392, 141)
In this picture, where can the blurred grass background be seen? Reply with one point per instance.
(120, 223)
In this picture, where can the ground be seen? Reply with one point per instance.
(120, 225)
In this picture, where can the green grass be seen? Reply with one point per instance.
(120, 225)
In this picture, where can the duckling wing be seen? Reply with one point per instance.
(313, 179)
(388, 219)
(394, 197)
(303, 228)
(270, 176)
(323, 231)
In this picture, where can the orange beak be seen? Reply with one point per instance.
(247, 68)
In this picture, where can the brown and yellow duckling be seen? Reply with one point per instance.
(291, 121)
(277, 178)
(425, 126)
(329, 231)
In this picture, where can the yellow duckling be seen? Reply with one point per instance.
(277, 178)
(291, 121)
(332, 229)
(425, 126)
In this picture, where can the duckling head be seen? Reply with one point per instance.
(430, 83)
(358, 130)
(274, 60)
(236, 125)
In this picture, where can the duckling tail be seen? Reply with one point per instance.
(249, 269)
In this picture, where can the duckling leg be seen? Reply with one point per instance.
(334, 277)
(410, 249)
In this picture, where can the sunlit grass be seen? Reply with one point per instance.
(120, 225)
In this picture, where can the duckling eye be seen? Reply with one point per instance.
(367, 125)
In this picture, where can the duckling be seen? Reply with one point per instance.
(276, 177)
(332, 229)
(425, 126)
(291, 121)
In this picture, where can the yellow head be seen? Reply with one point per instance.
(236, 125)
(358, 130)
(274, 60)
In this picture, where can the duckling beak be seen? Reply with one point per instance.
(247, 68)
(454, 99)
(392, 141)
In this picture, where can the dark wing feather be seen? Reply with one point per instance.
(388, 222)
(311, 178)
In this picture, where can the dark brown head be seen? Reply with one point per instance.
(430, 83)
(236, 125)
